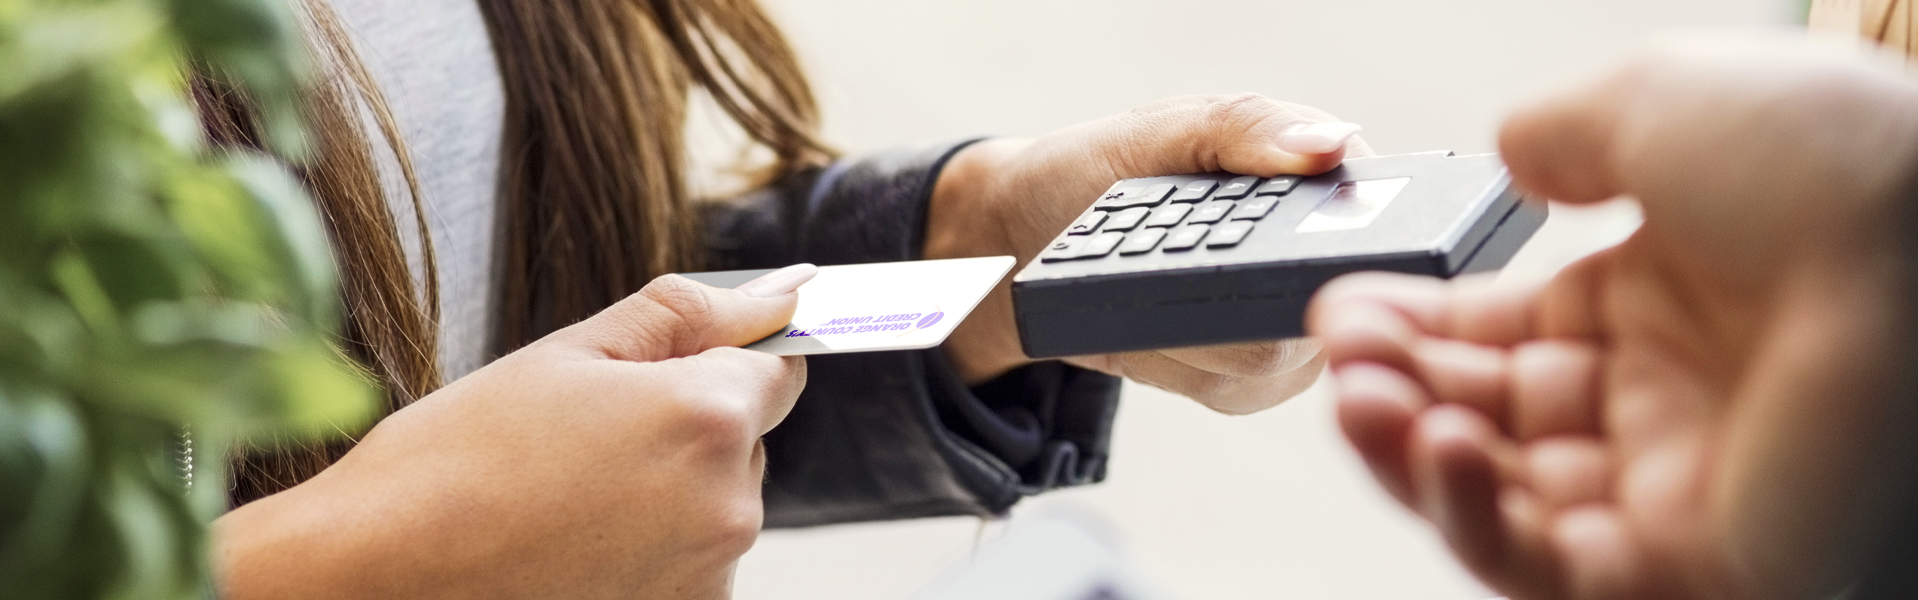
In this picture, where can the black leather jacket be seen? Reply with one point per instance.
(893, 435)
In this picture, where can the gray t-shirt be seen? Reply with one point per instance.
(434, 61)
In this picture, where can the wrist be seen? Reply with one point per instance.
(347, 533)
(967, 217)
(281, 545)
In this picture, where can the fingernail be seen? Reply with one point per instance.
(780, 282)
(1317, 138)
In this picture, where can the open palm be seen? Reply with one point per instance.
(1703, 411)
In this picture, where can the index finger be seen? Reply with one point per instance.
(1240, 133)
(674, 317)
(745, 391)
(1370, 308)
(1378, 316)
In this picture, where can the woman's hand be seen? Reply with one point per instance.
(1013, 196)
(1717, 407)
(618, 457)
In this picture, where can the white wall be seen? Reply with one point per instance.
(1267, 506)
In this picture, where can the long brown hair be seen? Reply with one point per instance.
(593, 185)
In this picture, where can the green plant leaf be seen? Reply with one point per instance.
(149, 286)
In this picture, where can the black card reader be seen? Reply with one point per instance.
(1214, 258)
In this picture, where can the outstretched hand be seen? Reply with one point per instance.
(1709, 409)
(1013, 196)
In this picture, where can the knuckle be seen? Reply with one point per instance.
(1261, 359)
(1174, 104)
(736, 523)
(1214, 391)
(715, 421)
(739, 356)
(1239, 109)
(1228, 398)
(796, 374)
(758, 366)
(686, 308)
(679, 296)
(724, 527)
(725, 415)
(776, 380)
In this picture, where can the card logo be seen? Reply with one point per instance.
(902, 323)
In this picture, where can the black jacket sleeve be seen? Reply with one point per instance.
(1893, 570)
(892, 435)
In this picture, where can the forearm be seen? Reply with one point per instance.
(315, 541)
(403, 519)
(392, 519)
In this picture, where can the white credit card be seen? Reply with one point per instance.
(877, 306)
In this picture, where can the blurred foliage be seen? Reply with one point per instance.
(148, 286)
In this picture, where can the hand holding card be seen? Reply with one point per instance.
(878, 306)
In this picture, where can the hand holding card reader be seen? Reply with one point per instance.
(1214, 258)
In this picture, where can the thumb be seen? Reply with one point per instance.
(1247, 134)
(1562, 146)
(675, 317)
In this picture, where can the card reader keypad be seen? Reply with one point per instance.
(1229, 234)
(1168, 215)
(1127, 219)
(1087, 224)
(1237, 188)
(1131, 197)
(1211, 212)
(1140, 219)
(1141, 241)
(1184, 238)
(1254, 209)
(1195, 191)
(1279, 186)
(1101, 245)
(1223, 258)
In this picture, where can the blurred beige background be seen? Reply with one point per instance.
(1273, 505)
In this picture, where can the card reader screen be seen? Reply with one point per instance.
(1354, 204)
